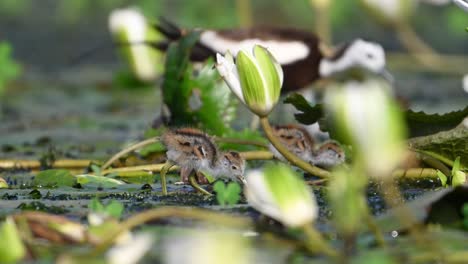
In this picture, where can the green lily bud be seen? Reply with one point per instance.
(131, 31)
(365, 115)
(281, 194)
(12, 248)
(256, 78)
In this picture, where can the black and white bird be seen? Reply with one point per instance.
(303, 57)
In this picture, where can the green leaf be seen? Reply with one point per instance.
(176, 86)
(448, 145)
(227, 195)
(115, 209)
(3, 183)
(87, 180)
(12, 249)
(96, 206)
(458, 178)
(442, 178)
(456, 165)
(310, 114)
(420, 123)
(96, 169)
(54, 178)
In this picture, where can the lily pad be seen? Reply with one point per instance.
(87, 180)
(447, 145)
(54, 178)
(419, 123)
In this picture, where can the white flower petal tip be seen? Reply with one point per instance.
(465, 83)
(282, 195)
(255, 78)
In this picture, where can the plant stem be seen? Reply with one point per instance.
(241, 142)
(150, 167)
(322, 19)
(416, 46)
(316, 243)
(34, 164)
(256, 155)
(173, 212)
(196, 186)
(296, 161)
(374, 228)
(128, 150)
(415, 173)
(244, 13)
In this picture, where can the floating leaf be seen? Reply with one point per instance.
(420, 123)
(446, 145)
(87, 180)
(227, 194)
(54, 178)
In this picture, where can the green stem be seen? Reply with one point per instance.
(34, 164)
(441, 158)
(316, 243)
(416, 173)
(241, 142)
(173, 212)
(374, 228)
(167, 166)
(128, 150)
(296, 161)
(150, 167)
(256, 155)
(196, 186)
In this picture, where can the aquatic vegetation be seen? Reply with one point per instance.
(356, 197)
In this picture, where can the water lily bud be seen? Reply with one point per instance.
(131, 30)
(281, 194)
(12, 248)
(207, 246)
(365, 115)
(463, 4)
(256, 78)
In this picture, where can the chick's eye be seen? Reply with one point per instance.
(369, 55)
(234, 167)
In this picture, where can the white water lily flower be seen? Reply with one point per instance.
(129, 26)
(255, 78)
(281, 194)
(366, 116)
(131, 251)
(463, 4)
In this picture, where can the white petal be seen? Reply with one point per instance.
(227, 69)
(463, 4)
(259, 196)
